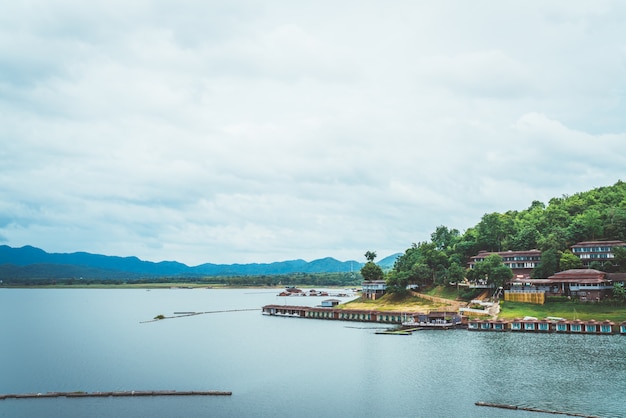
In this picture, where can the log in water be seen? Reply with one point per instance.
(524, 408)
(114, 394)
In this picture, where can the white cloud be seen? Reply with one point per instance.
(239, 132)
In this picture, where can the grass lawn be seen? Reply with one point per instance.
(567, 310)
(392, 303)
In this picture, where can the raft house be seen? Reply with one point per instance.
(433, 319)
(550, 324)
(448, 320)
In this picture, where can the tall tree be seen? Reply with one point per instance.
(371, 271)
(370, 255)
(493, 270)
(570, 261)
(492, 230)
(619, 258)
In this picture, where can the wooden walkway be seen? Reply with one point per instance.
(125, 393)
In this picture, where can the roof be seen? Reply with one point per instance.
(596, 243)
(579, 276)
(588, 276)
(483, 253)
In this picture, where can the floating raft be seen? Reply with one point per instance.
(114, 394)
(524, 408)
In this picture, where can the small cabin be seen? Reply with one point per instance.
(330, 303)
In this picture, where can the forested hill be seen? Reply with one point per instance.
(552, 227)
(32, 263)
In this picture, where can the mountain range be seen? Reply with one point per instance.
(32, 262)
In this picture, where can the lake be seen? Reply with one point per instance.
(94, 340)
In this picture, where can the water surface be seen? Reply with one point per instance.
(93, 340)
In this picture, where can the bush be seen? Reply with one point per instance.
(468, 294)
(557, 299)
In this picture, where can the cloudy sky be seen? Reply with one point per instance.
(248, 131)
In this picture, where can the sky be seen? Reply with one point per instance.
(259, 131)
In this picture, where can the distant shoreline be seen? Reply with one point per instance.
(172, 286)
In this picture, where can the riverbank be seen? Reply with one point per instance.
(571, 310)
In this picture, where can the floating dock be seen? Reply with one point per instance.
(409, 319)
(126, 393)
(547, 325)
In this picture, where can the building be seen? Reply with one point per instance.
(586, 285)
(374, 289)
(521, 262)
(601, 251)
(330, 303)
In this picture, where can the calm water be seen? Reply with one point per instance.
(92, 340)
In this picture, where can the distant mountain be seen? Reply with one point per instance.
(388, 262)
(31, 262)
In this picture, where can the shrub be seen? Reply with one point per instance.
(557, 299)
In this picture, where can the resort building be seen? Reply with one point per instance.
(601, 251)
(586, 285)
(374, 289)
(521, 262)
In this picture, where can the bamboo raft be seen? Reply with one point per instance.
(524, 408)
(125, 393)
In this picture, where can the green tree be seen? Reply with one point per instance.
(619, 292)
(619, 258)
(548, 265)
(397, 282)
(456, 273)
(370, 271)
(370, 255)
(493, 270)
(569, 261)
(444, 238)
(596, 265)
(491, 231)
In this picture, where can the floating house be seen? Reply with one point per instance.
(330, 303)
(534, 325)
(386, 317)
(434, 319)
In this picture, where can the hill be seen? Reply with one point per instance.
(32, 263)
(597, 214)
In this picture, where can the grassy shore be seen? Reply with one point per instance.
(567, 310)
(509, 310)
(390, 303)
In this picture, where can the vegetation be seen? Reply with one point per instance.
(391, 302)
(370, 271)
(569, 310)
(299, 279)
(593, 215)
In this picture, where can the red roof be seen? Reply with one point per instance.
(598, 243)
(579, 276)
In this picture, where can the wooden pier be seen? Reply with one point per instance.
(125, 393)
